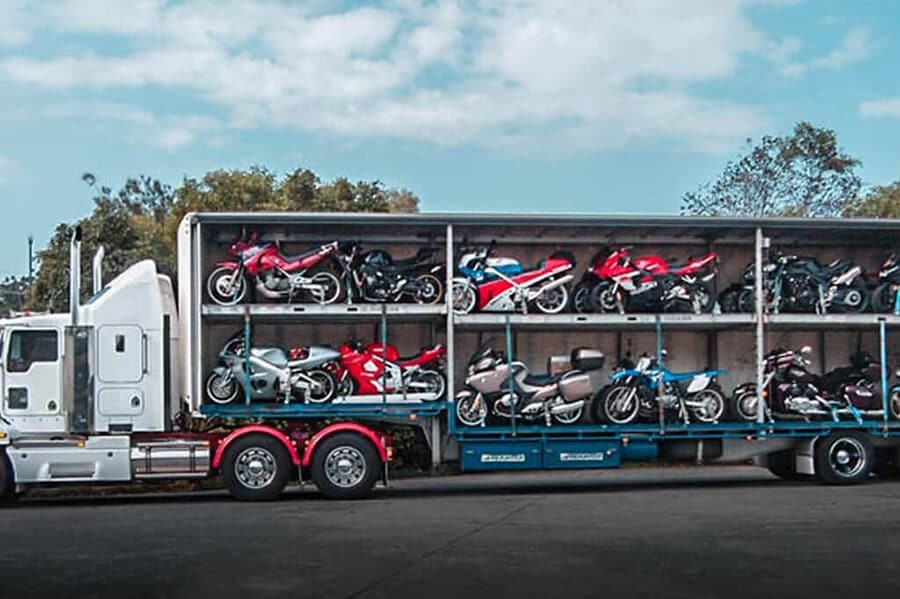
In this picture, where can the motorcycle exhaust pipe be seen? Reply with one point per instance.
(567, 407)
(551, 285)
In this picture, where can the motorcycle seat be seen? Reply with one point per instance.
(539, 380)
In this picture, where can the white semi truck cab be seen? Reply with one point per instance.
(90, 396)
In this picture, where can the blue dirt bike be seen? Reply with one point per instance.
(634, 393)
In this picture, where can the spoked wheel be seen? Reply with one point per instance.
(553, 301)
(464, 296)
(744, 405)
(471, 410)
(581, 300)
(226, 287)
(326, 387)
(431, 290)
(620, 404)
(430, 382)
(328, 288)
(221, 389)
(712, 405)
(844, 458)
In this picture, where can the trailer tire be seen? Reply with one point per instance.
(256, 468)
(844, 458)
(345, 466)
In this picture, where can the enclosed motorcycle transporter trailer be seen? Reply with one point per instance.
(118, 389)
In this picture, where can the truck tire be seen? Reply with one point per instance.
(844, 458)
(345, 466)
(7, 479)
(782, 465)
(256, 468)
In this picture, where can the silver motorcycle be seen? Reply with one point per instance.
(307, 373)
(496, 387)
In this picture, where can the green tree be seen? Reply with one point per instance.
(801, 174)
(880, 202)
(14, 293)
(141, 219)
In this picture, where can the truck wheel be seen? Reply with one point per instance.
(7, 479)
(844, 458)
(345, 466)
(256, 468)
(782, 465)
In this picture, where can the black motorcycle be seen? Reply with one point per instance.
(376, 276)
(884, 298)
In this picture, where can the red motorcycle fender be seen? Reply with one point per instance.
(251, 429)
(229, 265)
(339, 427)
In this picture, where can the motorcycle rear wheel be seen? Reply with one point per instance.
(883, 299)
(859, 290)
(581, 300)
(431, 289)
(436, 384)
(332, 288)
(744, 406)
(219, 391)
(569, 417)
(553, 301)
(328, 383)
(715, 405)
(703, 296)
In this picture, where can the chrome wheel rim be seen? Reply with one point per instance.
(219, 390)
(330, 287)
(345, 466)
(711, 408)
(747, 406)
(553, 300)
(429, 293)
(847, 457)
(223, 289)
(255, 467)
(607, 300)
(617, 409)
(463, 298)
(471, 412)
(327, 385)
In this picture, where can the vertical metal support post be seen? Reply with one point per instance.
(451, 342)
(882, 346)
(384, 338)
(659, 385)
(247, 356)
(509, 360)
(760, 330)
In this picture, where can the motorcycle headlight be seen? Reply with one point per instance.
(897, 373)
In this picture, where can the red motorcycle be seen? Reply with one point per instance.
(487, 288)
(376, 368)
(274, 275)
(609, 279)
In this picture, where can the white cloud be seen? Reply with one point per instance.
(530, 73)
(15, 23)
(855, 47)
(889, 107)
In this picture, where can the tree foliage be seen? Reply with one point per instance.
(801, 174)
(879, 202)
(13, 295)
(140, 220)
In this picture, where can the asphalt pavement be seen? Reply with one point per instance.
(645, 532)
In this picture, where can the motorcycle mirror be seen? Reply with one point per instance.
(806, 350)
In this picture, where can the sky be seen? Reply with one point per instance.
(593, 106)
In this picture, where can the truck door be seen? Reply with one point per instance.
(32, 381)
(122, 363)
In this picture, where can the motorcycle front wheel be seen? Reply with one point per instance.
(603, 298)
(464, 296)
(553, 301)
(472, 410)
(744, 405)
(219, 390)
(328, 387)
(431, 290)
(222, 287)
(620, 404)
(581, 300)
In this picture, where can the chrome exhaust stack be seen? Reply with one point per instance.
(97, 270)
(75, 274)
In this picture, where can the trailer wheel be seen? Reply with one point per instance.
(256, 468)
(345, 466)
(844, 458)
(782, 465)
